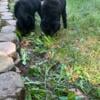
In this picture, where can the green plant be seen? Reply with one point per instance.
(24, 56)
(69, 59)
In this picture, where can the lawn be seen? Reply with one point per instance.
(54, 65)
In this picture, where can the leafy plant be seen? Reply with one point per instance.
(24, 56)
(76, 49)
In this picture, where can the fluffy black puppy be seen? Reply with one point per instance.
(52, 10)
(24, 11)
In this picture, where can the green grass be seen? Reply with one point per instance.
(72, 58)
(78, 51)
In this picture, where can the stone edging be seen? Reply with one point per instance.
(11, 84)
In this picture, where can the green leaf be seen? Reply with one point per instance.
(24, 56)
(28, 96)
(71, 96)
(18, 34)
(34, 71)
(63, 98)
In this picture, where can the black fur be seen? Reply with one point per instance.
(52, 10)
(24, 11)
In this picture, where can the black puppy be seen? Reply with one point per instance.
(24, 11)
(52, 10)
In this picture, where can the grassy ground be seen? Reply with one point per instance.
(69, 60)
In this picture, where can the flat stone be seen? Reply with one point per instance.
(3, 9)
(3, 23)
(6, 64)
(10, 37)
(10, 99)
(8, 29)
(6, 16)
(0, 25)
(7, 49)
(11, 86)
(4, 3)
(4, 6)
(6, 13)
(11, 22)
(3, 0)
(17, 60)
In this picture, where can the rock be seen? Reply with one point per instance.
(0, 25)
(4, 3)
(6, 13)
(4, 0)
(10, 37)
(3, 23)
(10, 99)
(8, 29)
(11, 22)
(3, 8)
(6, 16)
(6, 64)
(7, 49)
(17, 59)
(11, 86)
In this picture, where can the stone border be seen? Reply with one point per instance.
(9, 56)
